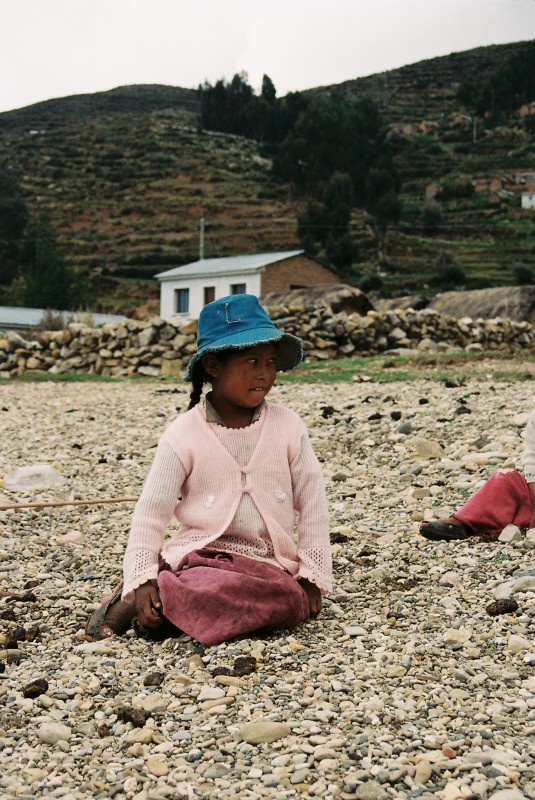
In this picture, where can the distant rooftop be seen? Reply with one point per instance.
(13, 318)
(218, 266)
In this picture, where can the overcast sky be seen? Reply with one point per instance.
(55, 48)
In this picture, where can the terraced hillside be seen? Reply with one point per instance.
(126, 194)
(426, 89)
(126, 176)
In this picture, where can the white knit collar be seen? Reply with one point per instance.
(212, 416)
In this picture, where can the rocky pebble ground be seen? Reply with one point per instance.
(417, 679)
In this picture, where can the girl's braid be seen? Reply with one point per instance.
(200, 376)
(197, 381)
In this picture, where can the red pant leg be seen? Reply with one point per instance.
(503, 500)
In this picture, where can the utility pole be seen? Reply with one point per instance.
(201, 240)
(472, 117)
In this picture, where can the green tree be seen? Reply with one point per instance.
(46, 280)
(228, 107)
(506, 88)
(378, 183)
(13, 220)
(285, 113)
(387, 209)
(324, 226)
(233, 107)
(339, 201)
(268, 92)
(341, 252)
(334, 135)
(381, 197)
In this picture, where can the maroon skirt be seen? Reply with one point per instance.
(214, 596)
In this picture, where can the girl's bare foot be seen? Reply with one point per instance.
(119, 616)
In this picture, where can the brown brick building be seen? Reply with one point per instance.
(184, 291)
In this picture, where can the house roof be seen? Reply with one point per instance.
(15, 318)
(222, 266)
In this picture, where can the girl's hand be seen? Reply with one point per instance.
(314, 596)
(148, 605)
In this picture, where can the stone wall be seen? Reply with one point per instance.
(159, 348)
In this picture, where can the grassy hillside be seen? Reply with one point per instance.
(82, 107)
(126, 176)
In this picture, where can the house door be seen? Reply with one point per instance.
(209, 294)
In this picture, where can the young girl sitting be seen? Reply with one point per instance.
(233, 470)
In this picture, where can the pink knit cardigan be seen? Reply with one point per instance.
(282, 477)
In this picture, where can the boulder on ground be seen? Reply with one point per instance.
(339, 296)
(516, 303)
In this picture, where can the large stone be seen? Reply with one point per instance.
(53, 732)
(147, 336)
(265, 730)
(157, 766)
(517, 644)
(151, 372)
(171, 368)
(424, 770)
(511, 533)
(371, 790)
(425, 448)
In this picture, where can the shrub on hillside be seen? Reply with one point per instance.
(479, 283)
(371, 282)
(456, 187)
(448, 270)
(523, 274)
(431, 215)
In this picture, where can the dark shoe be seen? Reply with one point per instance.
(441, 531)
(96, 627)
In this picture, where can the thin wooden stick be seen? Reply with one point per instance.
(49, 503)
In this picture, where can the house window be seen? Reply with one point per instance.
(237, 288)
(209, 294)
(181, 301)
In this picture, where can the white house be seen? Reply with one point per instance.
(528, 200)
(184, 291)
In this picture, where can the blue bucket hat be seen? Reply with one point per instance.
(237, 322)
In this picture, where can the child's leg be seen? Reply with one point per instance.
(504, 499)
